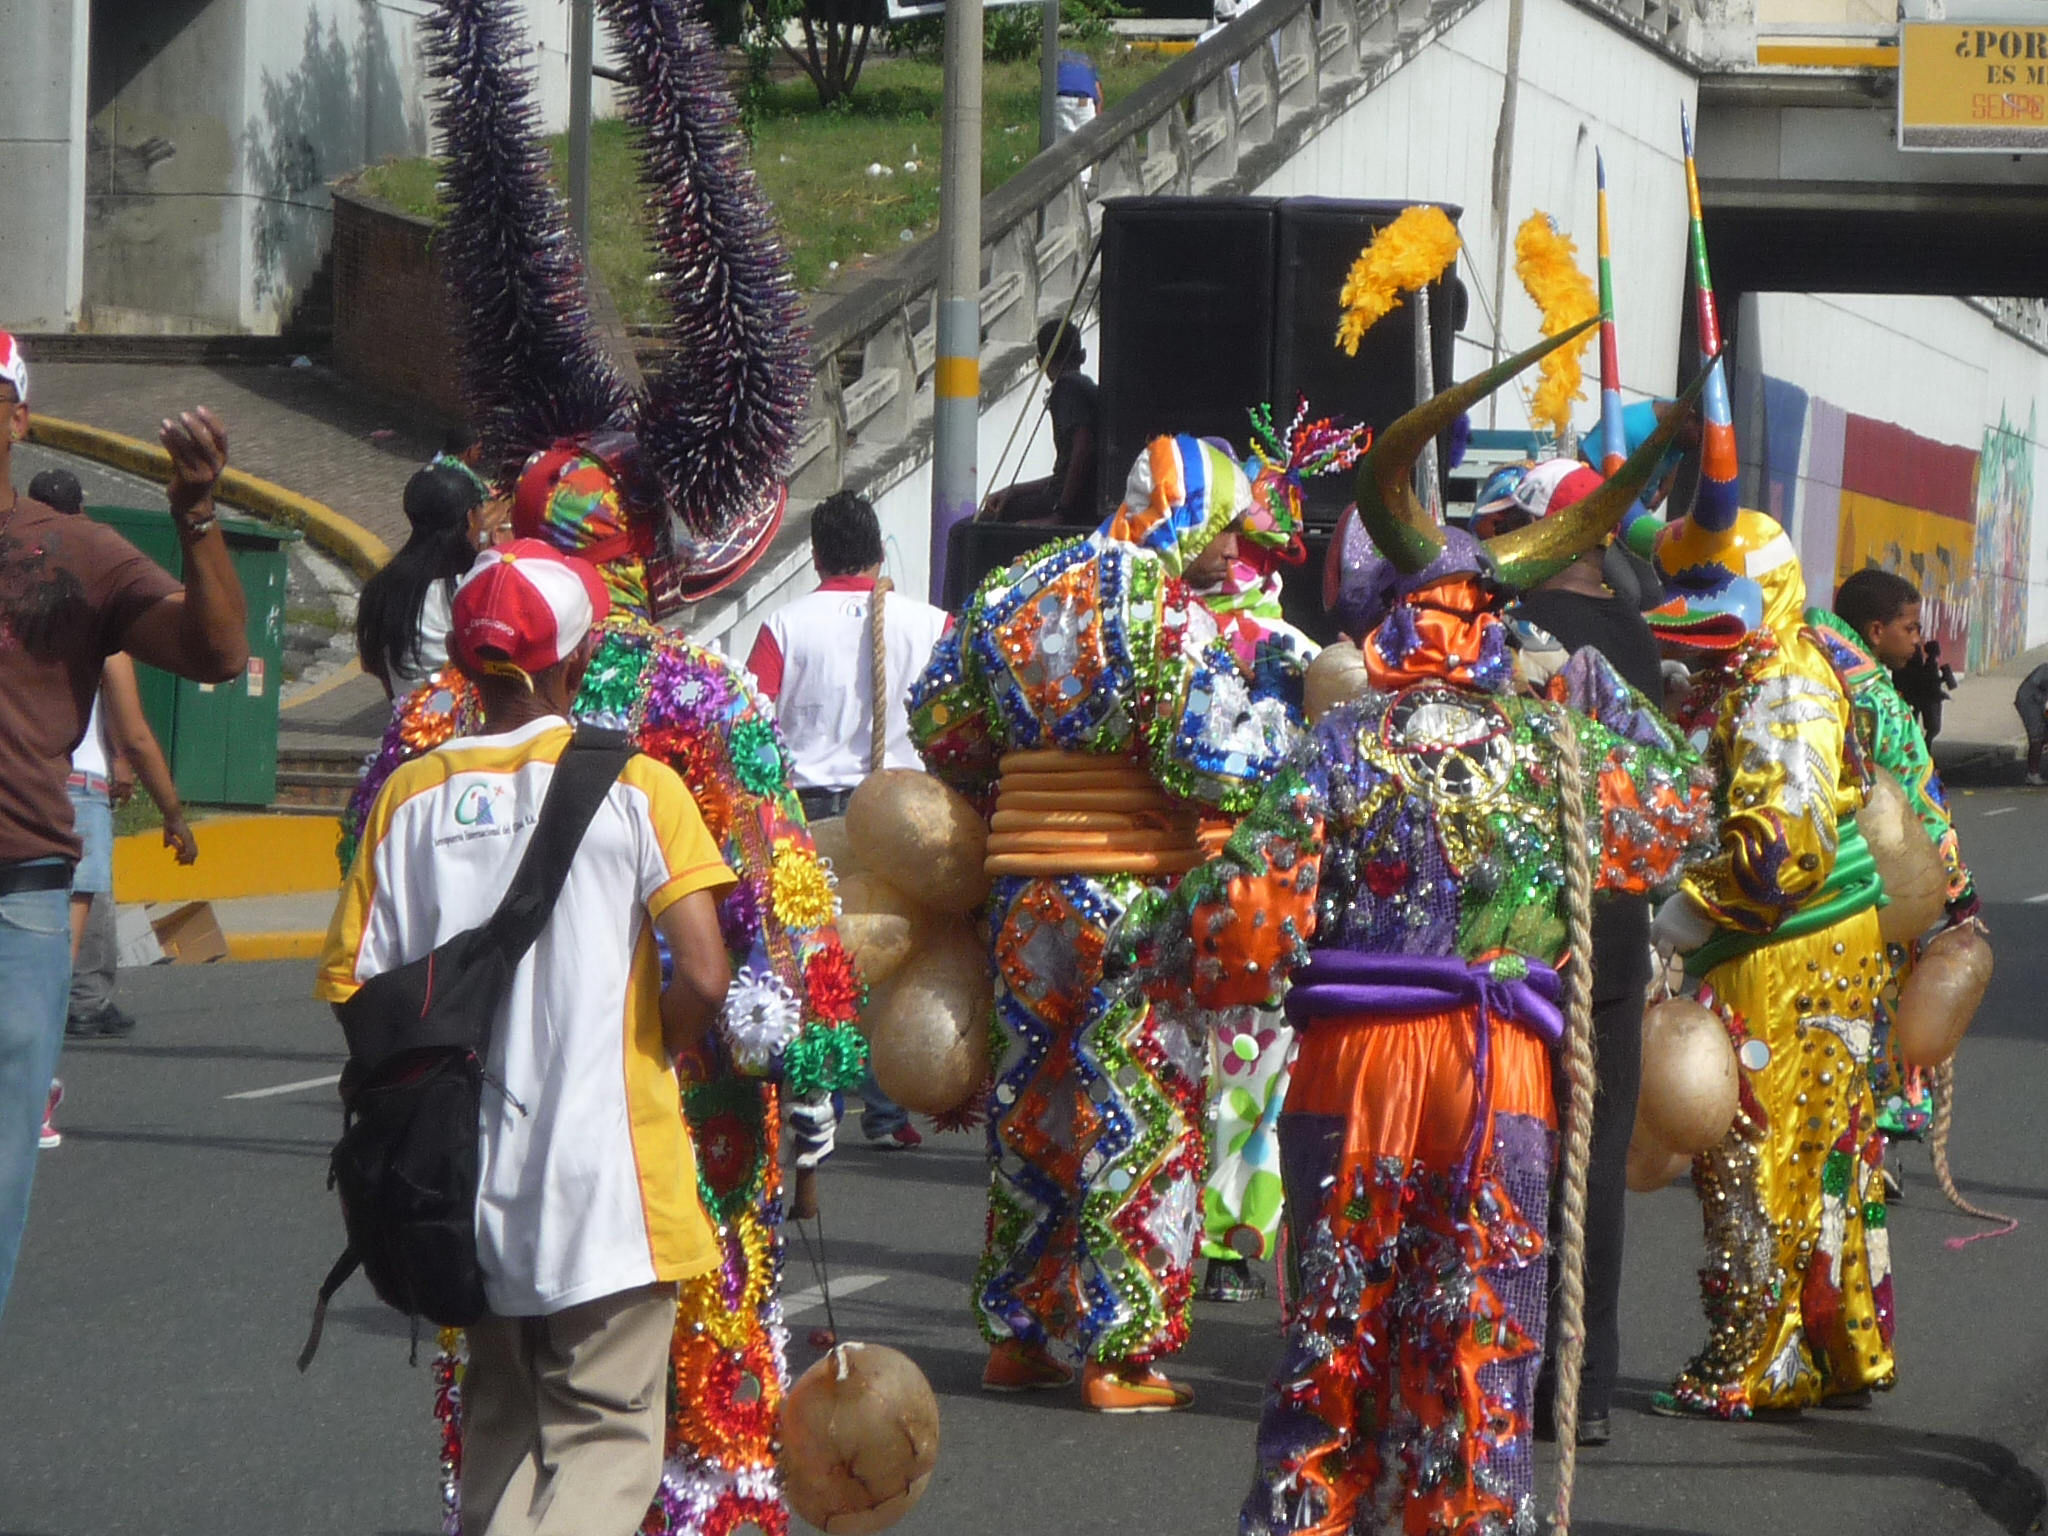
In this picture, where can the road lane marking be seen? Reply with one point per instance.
(810, 1296)
(2003, 810)
(2035, 901)
(283, 1088)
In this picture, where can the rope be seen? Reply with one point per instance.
(878, 667)
(1944, 1108)
(819, 1270)
(1578, 1139)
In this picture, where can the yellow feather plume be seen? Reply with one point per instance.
(1411, 252)
(1547, 262)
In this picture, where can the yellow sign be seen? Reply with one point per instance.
(1973, 86)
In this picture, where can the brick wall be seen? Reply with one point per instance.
(391, 328)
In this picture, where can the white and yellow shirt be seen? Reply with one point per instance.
(591, 1188)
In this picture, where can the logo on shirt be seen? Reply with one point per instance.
(476, 806)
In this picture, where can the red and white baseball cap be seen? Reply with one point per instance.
(13, 367)
(1571, 488)
(525, 604)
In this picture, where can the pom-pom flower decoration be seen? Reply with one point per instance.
(760, 1019)
(798, 887)
(1412, 252)
(1547, 262)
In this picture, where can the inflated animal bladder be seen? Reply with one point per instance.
(1691, 1089)
(878, 924)
(1940, 996)
(922, 836)
(1337, 674)
(928, 1033)
(860, 1437)
(1652, 1167)
(1915, 884)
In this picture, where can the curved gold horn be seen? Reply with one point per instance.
(1532, 555)
(1387, 506)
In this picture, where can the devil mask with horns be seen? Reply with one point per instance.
(1421, 598)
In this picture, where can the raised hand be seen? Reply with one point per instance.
(198, 446)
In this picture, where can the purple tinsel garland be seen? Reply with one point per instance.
(721, 416)
(533, 367)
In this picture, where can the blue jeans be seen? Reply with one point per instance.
(880, 1115)
(35, 986)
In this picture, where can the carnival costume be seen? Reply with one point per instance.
(672, 494)
(1088, 698)
(1899, 746)
(1424, 834)
(1797, 1282)
(1254, 1047)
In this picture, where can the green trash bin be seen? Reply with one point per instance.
(220, 738)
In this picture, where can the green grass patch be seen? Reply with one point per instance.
(813, 164)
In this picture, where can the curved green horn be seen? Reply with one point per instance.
(1387, 506)
(1530, 556)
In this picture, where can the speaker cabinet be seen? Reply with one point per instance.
(1212, 305)
(1319, 239)
(1187, 322)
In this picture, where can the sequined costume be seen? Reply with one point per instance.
(1898, 745)
(1797, 1281)
(1087, 690)
(1416, 836)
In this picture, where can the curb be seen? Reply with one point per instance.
(240, 856)
(348, 541)
(302, 945)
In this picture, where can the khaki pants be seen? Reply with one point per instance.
(562, 1417)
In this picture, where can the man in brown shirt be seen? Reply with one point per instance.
(71, 594)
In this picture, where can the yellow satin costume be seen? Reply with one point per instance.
(1797, 1282)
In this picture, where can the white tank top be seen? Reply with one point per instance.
(90, 755)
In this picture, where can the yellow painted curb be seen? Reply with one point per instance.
(238, 856)
(304, 945)
(347, 540)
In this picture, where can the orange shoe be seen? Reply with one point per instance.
(1014, 1366)
(1132, 1389)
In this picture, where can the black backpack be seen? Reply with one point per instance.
(406, 1166)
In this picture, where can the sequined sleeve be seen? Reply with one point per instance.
(1650, 804)
(1778, 750)
(1900, 747)
(1232, 930)
(1589, 685)
(951, 716)
(795, 991)
(1215, 735)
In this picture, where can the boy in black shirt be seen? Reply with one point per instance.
(1578, 608)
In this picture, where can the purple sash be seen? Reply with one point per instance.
(1347, 981)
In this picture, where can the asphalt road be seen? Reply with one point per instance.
(178, 1235)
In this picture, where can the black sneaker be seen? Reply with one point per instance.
(1232, 1280)
(110, 1023)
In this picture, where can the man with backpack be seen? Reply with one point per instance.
(586, 1211)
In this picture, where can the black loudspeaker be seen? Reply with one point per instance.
(1319, 239)
(975, 549)
(1212, 305)
(1187, 322)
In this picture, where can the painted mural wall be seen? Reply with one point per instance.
(1903, 433)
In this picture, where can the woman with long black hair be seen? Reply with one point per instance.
(403, 615)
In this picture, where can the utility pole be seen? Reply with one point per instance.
(1049, 77)
(956, 377)
(581, 27)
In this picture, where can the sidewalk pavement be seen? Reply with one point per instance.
(307, 429)
(1982, 742)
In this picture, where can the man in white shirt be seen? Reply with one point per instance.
(814, 659)
(588, 1211)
